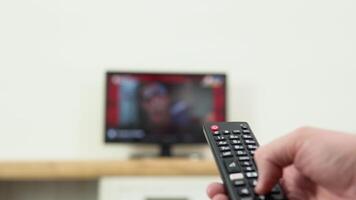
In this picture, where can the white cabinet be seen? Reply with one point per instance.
(155, 188)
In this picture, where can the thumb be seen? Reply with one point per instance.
(268, 173)
(272, 158)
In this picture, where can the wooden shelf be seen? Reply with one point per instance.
(92, 170)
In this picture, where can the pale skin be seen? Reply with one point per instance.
(310, 164)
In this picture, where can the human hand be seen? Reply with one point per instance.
(310, 163)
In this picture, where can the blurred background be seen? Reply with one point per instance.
(288, 64)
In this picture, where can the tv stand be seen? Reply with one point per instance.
(165, 150)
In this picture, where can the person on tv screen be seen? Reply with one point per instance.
(161, 112)
(156, 102)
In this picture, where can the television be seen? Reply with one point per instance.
(162, 108)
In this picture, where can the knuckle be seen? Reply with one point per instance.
(259, 153)
(303, 131)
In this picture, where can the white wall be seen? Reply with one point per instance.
(289, 63)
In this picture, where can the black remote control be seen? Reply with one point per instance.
(233, 145)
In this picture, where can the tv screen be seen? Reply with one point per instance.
(162, 108)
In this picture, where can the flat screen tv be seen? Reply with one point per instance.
(162, 108)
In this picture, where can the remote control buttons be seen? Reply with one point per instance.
(251, 175)
(241, 153)
(214, 128)
(236, 131)
(236, 146)
(232, 166)
(235, 142)
(236, 176)
(244, 158)
(261, 197)
(226, 154)
(243, 191)
(219, 138)
(222, 143)
(224, 148)
(277, 197)
(276, 193)
(239, 183)
(246, 198)
(252, 147)
(245, 164)
(247, 137)
(239, 147)
(253, 182)
(276, 190)
(231, 137)
(248, 169)
(226, 132)
(246, 131)
(244, 126)
(250, 142)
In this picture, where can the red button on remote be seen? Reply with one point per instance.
(214, 127)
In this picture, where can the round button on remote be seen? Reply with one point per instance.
(214, 128)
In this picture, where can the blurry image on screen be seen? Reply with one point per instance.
(163, 108)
